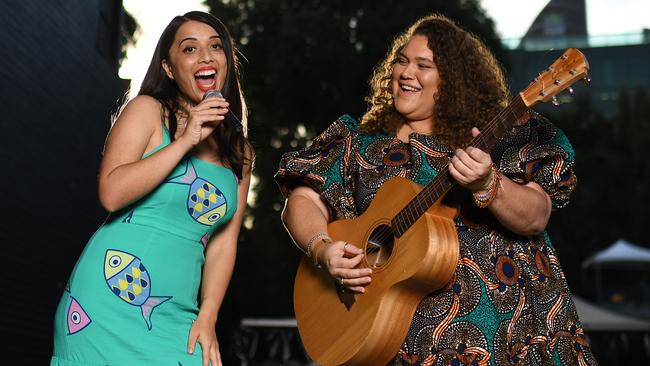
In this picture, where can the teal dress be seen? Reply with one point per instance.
(508, 302)
(132, 296)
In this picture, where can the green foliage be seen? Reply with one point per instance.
(128, 32)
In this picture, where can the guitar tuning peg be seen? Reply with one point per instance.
(571, 91)
(555, 101)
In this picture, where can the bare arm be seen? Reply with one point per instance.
(220, 254)
(522, 208)
(306, 215)
(220, 257)
(123, 176)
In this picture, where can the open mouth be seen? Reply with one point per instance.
(206, 79)
(409, 88)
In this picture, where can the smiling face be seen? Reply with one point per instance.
(197, 61)
(415, 80)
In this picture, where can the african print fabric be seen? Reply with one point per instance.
(508, 302)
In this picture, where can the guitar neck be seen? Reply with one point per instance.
(443, 182)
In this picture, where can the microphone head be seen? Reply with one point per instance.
(212, 93)
(231, 120)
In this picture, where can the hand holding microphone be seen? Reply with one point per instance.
(196, 123)
(231, 120)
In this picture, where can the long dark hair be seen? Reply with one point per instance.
(231, 144)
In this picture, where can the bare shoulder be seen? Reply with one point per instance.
(143, 108)
(138, 126)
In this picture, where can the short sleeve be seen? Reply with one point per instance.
(324, 165)
(540, 152)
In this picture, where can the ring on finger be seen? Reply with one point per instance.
(345, 246)
(340, 280)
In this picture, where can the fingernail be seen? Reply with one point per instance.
(190, 351)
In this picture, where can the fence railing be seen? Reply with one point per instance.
(269, 342)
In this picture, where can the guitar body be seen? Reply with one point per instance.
(340, 327)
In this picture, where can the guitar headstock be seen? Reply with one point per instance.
(566, 70)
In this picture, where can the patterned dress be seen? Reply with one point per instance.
(508, 302)
(132, 296)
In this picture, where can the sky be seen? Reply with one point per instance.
(603, 17)
(152, 17)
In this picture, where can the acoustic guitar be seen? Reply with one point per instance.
(410, 242)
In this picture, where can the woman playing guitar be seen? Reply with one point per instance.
(507, 301)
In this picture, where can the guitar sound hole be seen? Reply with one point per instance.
(380, 246)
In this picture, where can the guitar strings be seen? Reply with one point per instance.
(406, 217)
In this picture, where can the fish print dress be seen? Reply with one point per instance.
(132, 295)
(508, 302)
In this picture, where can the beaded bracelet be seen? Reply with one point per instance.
(483, 200)
(312, 240)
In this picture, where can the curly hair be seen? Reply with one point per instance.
(472, 86)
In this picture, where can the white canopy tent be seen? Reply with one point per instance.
(620, 275)
(619, 251)
(594, 318)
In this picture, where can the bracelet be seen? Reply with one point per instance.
(312, 240)
(483, 200)
(316, 250)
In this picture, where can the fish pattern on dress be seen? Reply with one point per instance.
(129, 280)
(206, 204)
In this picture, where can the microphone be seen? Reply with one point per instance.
(233, 122)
